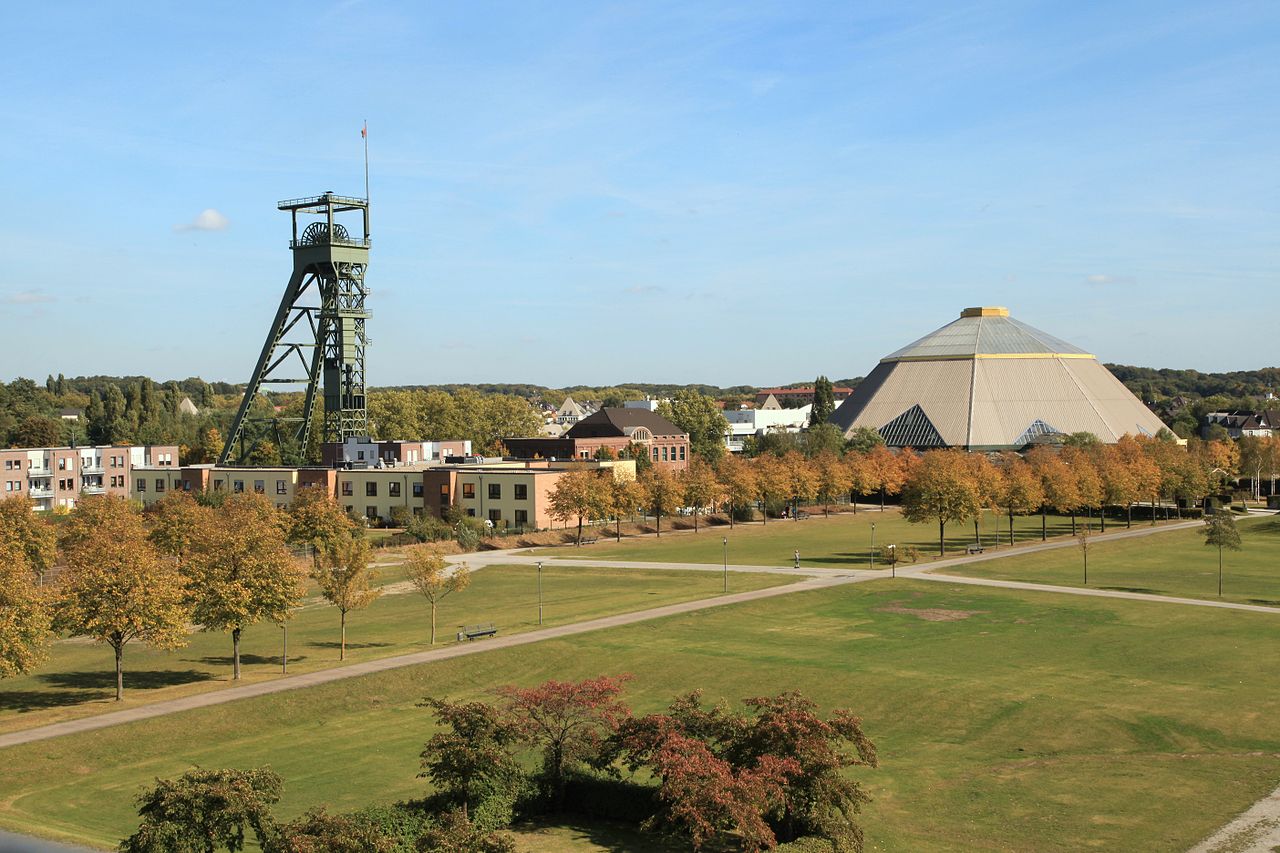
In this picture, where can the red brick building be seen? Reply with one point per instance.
(616, 429)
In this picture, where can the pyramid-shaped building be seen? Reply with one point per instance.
(989, 382)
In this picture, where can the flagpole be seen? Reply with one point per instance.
(365, 134)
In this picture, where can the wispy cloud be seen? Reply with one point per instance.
(208, 220)
(1099, 278)
(27, 297)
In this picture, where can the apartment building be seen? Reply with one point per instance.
(54, 477)
(508, 493)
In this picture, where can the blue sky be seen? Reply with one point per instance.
(687, 192)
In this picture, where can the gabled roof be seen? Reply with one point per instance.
(611, 423)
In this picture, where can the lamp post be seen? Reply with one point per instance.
(871, 557)
(726, 563)
(539, 592)
(893, 560)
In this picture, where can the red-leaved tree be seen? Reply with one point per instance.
(571, 721)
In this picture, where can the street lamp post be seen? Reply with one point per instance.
(726, 563)
(893, 560)
(871, 557)
(539, 592)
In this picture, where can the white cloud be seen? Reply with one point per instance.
(208, 220)
(26, 297)
(1102, 278)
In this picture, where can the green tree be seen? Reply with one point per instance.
(345, 579)
(206, 810)
(862, 439)
(824, 402)
(941, 488)
(317, 831)
(38, 431)
(701, 418)
(822, 438)
(1220, 532)
(116, 588)
(473, 750)
(239, 570)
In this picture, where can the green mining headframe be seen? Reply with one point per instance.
(319, 331)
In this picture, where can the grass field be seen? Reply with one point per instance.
(1173, 563)
(1005, 720)
(840, 541)
(79, 677)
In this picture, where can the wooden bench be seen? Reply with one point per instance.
(590, 540)
(973, 549)
(473, 632)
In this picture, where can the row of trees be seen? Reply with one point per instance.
(939, 486)
(773, 770)
(223, 565)
(416, 415)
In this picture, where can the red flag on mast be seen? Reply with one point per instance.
(364, 132)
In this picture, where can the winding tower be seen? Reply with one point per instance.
(318, 332)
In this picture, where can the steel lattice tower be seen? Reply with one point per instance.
(327, 291)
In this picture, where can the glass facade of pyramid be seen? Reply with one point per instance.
(989, 382)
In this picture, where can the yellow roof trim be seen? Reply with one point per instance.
(986, 311)
(989, 355)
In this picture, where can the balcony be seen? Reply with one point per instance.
(93, 490)
(92, 469)
(36, 473)
(36, 492)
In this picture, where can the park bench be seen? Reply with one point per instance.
(472, 632)
(590, 540)
(973, 549)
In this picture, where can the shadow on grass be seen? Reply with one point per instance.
(42, 700)
(1141, 589)
(133, 679)
(604, 835)
(327, 645)
(1265, 602)
(245, 660)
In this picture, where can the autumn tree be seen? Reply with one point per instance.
(772, 481)
(699, 487)
(663, 493)
(31, 532)
(345, 579)
(1220, 531)
(886, 471)
(316, 520)
(1058, 484)
(474, 749)
(570, 721)
(317, 831)
(801, 479)
(175, 520)
(206, 810)
(1020, 489)
(239, 570)
(116, 588)
(425, 568)
(738, 480)
(834, 477)
(24, 611)
(941, 489)
(579, 493)
(626, 496)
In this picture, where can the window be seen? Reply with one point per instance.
(370, 489)
(217, 485)
(142, 485)
(350, 509)
(371, 512)
(260, 487)
(495, 491)
(346, 488)
(393, 489)
(495, 515)
(444, 493)
(522, 492)
(417, 490)
(281, 489)
(471, 512)
(664, 453)
(522, 517)
(655, 454)
(682, 453)
(159, 485)
(469, 491)
(62, 464)
(237, 486)
(186, 485)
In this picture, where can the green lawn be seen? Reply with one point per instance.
(841, 541)
(1005, 720)
(79, 677)
(1172, 563)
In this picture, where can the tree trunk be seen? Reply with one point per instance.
(882, 498)
(977, 537)
(1102, 518)
(853, 501)
(1128, 518)
(235, 654)
(618, 526)
(942, 538)
(118, 646)
(342, 646)
(1153, 510)
(1010, 525)
(433, 622)
(1073, 522)
(1044, 522)
(578, 544)
(658, 519)
(695, 520)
